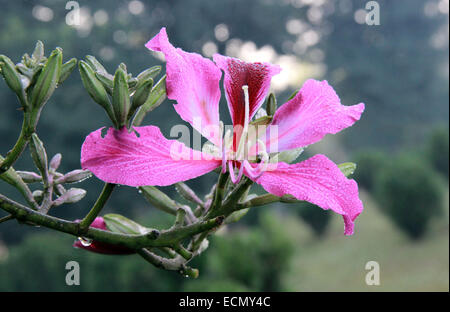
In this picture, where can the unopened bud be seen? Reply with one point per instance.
(149, 73)
(11, 75)
(38, 196)
(71, 196)
(38, 53)
(47, 80)
(66, 69)
(271, 104)
(29, 177)
(38, 154)
(141, 95)
(55, 162)
(74, 176)
(121, 97)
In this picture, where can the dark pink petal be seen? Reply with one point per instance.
(319, 181)
(193, 81)
(99, 247)
(314, 112)
(150, 159)
(238, 73)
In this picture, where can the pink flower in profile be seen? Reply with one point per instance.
(193, 81)
(100, 247)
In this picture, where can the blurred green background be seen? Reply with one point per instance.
(399, 69)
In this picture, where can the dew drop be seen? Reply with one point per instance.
(86, 242)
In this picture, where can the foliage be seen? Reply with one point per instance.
(315, 217)
(437, 151)
(369, 164)
(410, 193)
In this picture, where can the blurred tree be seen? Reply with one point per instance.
(369, 163)
(410, 193)
(317, 218)
(438, 150)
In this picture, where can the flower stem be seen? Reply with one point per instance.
(98, 206)
(18, 148)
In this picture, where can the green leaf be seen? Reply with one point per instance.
(47, 80)
(157, 96)
(347, 168)
(120, 224)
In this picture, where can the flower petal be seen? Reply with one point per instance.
(193, 81)
(319, 181)
(150, 159)
(314, 112)
(238, 73)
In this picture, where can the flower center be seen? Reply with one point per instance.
(241, 155)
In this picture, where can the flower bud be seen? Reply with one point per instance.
(95, 64)
(121, 97)
(347, 168)
(95, 89)
(120, 224)
(38, 196)
(29, 177)
(66, 69)
(141, 95)
(158, 199)
(157, 96)
(38, 53)
(38, 154)
(106, 80)
(11, 75)
(271, 105)
(149, 73)
(55, 162)
(47, 80)
(71, 196)
(74, 176)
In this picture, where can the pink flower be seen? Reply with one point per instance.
(193, 81)
(99, 247)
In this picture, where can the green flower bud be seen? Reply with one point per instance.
(11, 75)
(95, 89)
(47, 80)
(66, 69)
(38, 53)
(120, 224)
(347, 168)
(141, 95)
(39, 155)
(149, 73)
(95, 64)
(121, 97)
(271, 105)
(159, 199)
(157, 96)
(106, 80)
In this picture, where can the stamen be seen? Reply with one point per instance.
(231, 170)
(246, 122)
